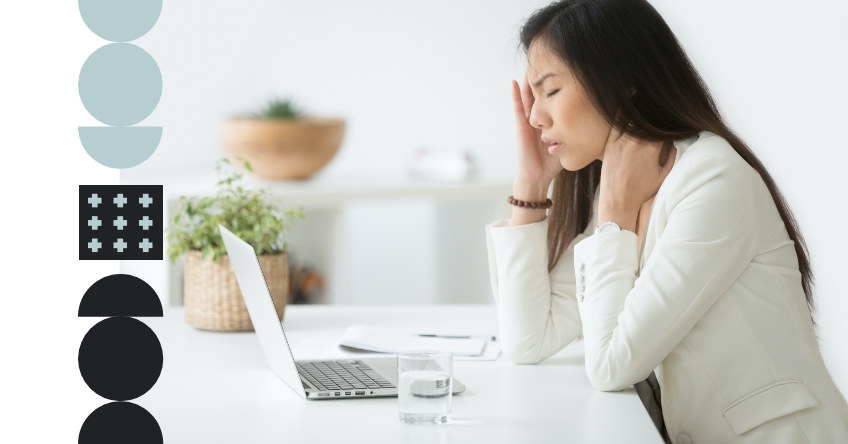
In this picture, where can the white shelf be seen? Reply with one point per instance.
(327, 191)
(430, 248)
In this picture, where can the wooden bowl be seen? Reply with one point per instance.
(284, 149)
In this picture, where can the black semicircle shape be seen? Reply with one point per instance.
(123, 422)
(120, 295)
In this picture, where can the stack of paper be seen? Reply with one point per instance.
(387, 341)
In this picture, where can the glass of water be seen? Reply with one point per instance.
(424, 386)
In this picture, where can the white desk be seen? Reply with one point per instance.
(217, 388)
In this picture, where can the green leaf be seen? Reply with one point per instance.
(280, 109)
(244, 211)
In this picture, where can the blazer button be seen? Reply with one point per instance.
(682, 439)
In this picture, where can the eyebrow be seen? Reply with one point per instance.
(542, 79)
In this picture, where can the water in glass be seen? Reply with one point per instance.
(425, 396)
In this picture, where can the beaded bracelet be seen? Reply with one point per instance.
(530, 205)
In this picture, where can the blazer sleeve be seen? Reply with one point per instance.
(537, 310)
(631, 324)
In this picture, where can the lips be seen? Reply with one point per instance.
(553, 145)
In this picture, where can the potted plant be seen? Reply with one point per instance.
(213, 300)
(283, 141)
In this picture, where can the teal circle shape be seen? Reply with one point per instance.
(120, 84)
(120, 20)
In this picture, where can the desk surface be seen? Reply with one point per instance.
(217, 388)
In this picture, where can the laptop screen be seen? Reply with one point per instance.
(253, 287)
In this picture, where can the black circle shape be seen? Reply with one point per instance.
(120, 295)
(122, 422)
(120, 358)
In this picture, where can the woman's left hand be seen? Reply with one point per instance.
(631, 175)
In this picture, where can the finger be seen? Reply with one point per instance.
(517, 105)
(672, 156)
(666, 147)
(527, 97)
(613, 136)
(616, 133)
(609, 145)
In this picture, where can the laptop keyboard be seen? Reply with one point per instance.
(342, 375)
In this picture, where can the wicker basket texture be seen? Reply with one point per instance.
(213, 300)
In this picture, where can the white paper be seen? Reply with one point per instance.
(389, 341)
(320, 348)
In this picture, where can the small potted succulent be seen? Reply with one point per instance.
(213, 300)
(283, 141)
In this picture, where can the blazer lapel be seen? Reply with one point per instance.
(658, 217)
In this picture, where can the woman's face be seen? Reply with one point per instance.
(563, 111)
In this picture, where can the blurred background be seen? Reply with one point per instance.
(436, 76)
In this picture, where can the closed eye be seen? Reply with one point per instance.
(552, 93)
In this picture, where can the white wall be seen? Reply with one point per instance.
(404, 74)
(437, 73)
(778, 71)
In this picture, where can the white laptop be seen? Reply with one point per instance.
(347, 378)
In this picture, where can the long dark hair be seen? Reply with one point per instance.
(612, 47)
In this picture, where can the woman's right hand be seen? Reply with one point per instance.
(536, 167)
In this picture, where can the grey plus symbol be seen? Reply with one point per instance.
(120, 201)
(94, 245)
(94, 222)
(146, 223)
(145, 200)
(145, 245)
(120, 222)
(94, 201)
(120, 245)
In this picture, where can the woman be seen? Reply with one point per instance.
(668, 246)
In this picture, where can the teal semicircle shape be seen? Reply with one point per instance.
(120, 147)
(120, 20)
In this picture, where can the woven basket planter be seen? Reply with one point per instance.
(213, 300)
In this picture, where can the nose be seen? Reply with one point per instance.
(536, 118)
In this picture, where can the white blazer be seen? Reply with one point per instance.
(714, 306)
